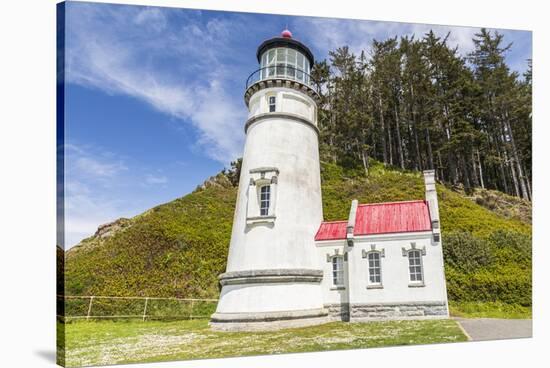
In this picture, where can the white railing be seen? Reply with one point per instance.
(112, 307)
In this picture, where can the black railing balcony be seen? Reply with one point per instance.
(282, 72)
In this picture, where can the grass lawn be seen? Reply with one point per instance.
(116, 342)
(489, 310)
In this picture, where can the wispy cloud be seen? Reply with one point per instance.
(91, 175)
(122, 50)
(82, 162)
(156, 179)
(328, 34)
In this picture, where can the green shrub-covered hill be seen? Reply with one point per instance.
(177, 249)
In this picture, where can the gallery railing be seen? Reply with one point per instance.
(282, 72)
(91, 307)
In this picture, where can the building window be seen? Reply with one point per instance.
(375, 276)
(272, 101)
(264, 200)
(338, 271)
(415, 266)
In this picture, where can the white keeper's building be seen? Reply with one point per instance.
(288, 268)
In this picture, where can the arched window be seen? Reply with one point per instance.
(338, 270)
(415, 266)
(375, 269)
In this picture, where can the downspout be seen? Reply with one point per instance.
(348, 247)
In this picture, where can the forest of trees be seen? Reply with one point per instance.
(418, 104)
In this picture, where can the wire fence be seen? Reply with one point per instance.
(93, 307)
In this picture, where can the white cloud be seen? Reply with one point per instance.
(91, 175)
(358, 34)
(111, 49)
(96, 168)
(83, 163)
(156, 179)
(151, 18)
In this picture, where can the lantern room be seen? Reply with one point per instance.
(283, 59)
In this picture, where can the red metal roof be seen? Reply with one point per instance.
(332, 230)
(394, 217)
(381, 218)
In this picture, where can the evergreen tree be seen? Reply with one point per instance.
(417, 104)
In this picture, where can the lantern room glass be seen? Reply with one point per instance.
(285, 62)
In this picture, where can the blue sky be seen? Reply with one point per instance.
(154, 96)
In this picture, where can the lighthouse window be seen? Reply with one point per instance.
(271, 61)
(415, 266)
(338, 271)
(300, 66)
(264, 200)
(286, 63)
(291, 63)
(272, 103)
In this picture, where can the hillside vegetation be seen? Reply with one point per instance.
(177, 249)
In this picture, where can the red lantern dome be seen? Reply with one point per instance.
(286, 34)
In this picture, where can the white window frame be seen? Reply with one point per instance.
(337, 264)
(366, 254)
(272, 106)
(372, 267)
(416, 276)
(259, 178)
(265, 197)
(421, 253)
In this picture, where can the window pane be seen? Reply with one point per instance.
(290, 72)
(291, 57)
(300, 61)
(271, 57)
(281, 54)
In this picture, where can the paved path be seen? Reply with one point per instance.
(480, 329)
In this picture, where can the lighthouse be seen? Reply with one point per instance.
(273, 277)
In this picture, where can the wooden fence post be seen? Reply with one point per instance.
(191, 311)
(90, 307)
(145, 308)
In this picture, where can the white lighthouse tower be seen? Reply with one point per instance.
(273, 277)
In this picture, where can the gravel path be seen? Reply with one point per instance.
(480, 329)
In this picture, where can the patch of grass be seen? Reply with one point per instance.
(489, 310)
(110, 342)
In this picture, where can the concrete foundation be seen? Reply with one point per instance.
(268, 321)
(393, 311)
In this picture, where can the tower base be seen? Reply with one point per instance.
(268, 321)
